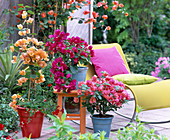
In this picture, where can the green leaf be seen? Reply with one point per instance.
(33, 34)
(20, 9)
(30, 12)
(33, 76)
(20, 4)
(73, 69)
(27, 6)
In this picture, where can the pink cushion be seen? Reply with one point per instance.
(108, 60)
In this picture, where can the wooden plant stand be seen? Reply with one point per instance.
(81, 116)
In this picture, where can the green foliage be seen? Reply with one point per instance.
(9, 72)
(65, 131)
(47, 85)
(137, 131)
(3, 33)
(143, 63)
(8, 117)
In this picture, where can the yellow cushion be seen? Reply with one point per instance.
(152, 96)
(135, 79)
(91, 70)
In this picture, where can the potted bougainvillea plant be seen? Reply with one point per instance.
(100, 96)
(162, 69)
(68, 53)
(30, 105)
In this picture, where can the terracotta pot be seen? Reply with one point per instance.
(30, 125)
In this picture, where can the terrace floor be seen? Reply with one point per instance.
(118, 121)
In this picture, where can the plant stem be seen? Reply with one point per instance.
(29, 89)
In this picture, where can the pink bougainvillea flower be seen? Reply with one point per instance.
(121, 5)
(76, 100)
(92, 100)
(114, 7)
(105, 7)
(116, 3)
(99, 4)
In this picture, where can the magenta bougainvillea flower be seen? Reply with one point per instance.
(68, 52)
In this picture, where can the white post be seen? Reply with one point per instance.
(91, 24)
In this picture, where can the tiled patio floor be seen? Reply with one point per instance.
(153, 115)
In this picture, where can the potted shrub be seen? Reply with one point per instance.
(102, 95)
(31, 107)
(68, 53)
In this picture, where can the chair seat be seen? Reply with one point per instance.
(152, 96)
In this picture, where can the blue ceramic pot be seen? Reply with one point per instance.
(81, 75)
(102, 124)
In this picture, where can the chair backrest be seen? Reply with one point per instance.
(91, 70)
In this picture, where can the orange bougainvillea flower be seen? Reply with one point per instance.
(94, 27)
(95, 15)
(77, 6)
(121, 5)
(12, 48)
(14, 7)
(94, 21)
(108, 28)
(22, 72)
(116, 3)
(18, 20)
(49, 5)
(54, 22)
(10, 10)
(55, 14)
(22, 80)
(69, 18)
(105, 7)
(49, 22)
(105, 17)
(114, 7)
(14, 59)
(18, 96)
(86, 12)
(51, 12)
(43, 15)
(126, 14)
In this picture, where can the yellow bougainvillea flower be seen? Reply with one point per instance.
(24, 15)
(12, 48)
(20, 26)
(22, 33)
(40, 43)
(14, 59)
(14, 96)
(22, 72)
(30, 20)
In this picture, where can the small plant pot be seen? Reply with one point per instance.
(102, 123)
(72, 107)
(30, 125)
